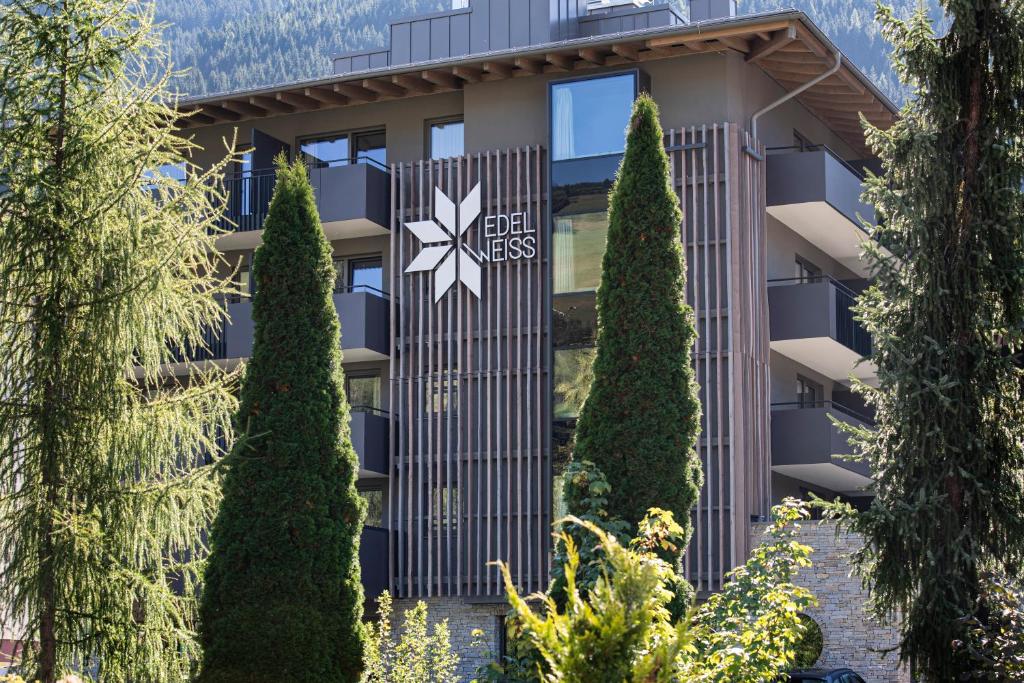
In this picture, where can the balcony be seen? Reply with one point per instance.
(817, 195)
(364, 318)
(353, 197)
(805, 446)
(370, 439)
(373, 560)
(810, 321)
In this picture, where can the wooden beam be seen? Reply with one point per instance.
(383, 87)
(779, 40)
(442, 78)
(679, 39)
(355, 92)
(468, 74)
(271, 104)
(243, 108)
(297, 100)
(630, 52)
(794, 82)
(592, 55)
(735, 43)
(532, 66)
(698, 45)
(195, 117)
(413, 83)
(498, 69)
(220, 113)
(561, 61)
(326, 96)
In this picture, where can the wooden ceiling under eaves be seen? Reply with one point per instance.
(786, 49)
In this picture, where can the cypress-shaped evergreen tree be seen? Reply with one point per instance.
(641, 419)
(283, 599)
(107, 262)
(946, 312)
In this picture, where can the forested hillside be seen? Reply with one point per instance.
(232, 44)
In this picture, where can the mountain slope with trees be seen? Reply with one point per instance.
(247, 43)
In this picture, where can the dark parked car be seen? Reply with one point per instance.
(824, 676)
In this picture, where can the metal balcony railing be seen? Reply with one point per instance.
(249, 192)
(849, 331)
(836, 408)
(213, 347)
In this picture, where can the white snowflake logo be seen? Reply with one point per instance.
(455, 263)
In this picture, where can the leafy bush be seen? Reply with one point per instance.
(622, 629)
(419, 656)
(808, 650)
(997, 630)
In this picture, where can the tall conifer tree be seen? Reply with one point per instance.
(641, 419)
(947, 315)
(106, 263)
(283, 599)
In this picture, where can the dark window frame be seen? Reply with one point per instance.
(428, 127)
(365, 374)
(346, 271)
(641, 83)
(351, 134)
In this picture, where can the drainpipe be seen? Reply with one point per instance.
(785, 98)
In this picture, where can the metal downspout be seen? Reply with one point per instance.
(787, 97)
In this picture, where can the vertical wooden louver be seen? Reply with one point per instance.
(721, 191)
(470, 441)
(470, 473)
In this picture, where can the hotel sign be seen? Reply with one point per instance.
(445, 251)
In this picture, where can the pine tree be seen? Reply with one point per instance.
(947, 314)
(107, 262)
(283, 598)
(640, 422)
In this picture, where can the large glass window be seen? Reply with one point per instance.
(579, 243)
(371, 146)
(363, 392)
(345, 148)
(374, 506)
(366, 275)
(589, 117)
(325, 152)
(363, 274)
(574, 371)
(447, 139)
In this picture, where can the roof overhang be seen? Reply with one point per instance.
(786, 45)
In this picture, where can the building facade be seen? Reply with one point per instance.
(461, 174)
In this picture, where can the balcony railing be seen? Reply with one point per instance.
(797, 149)
(835, 408)
(249, 192)
(847, 330)
(213, 347)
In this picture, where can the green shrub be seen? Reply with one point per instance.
(808, 650)
(622, 629)
(419, 656)
(283, 599)
(640, 421)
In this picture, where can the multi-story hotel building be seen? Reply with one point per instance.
(461, 174)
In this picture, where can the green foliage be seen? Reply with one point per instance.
(640, 422)
(283, 599)
(519, 664)
(419, 656)
(946, 312)
(106, 263)
(585, 490)
(751, 630)
(997, 643)
(811, 643)
(622, 629)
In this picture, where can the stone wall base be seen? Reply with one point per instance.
(851, 637)
(463, 618)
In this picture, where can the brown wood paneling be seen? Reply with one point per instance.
(469, 462)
